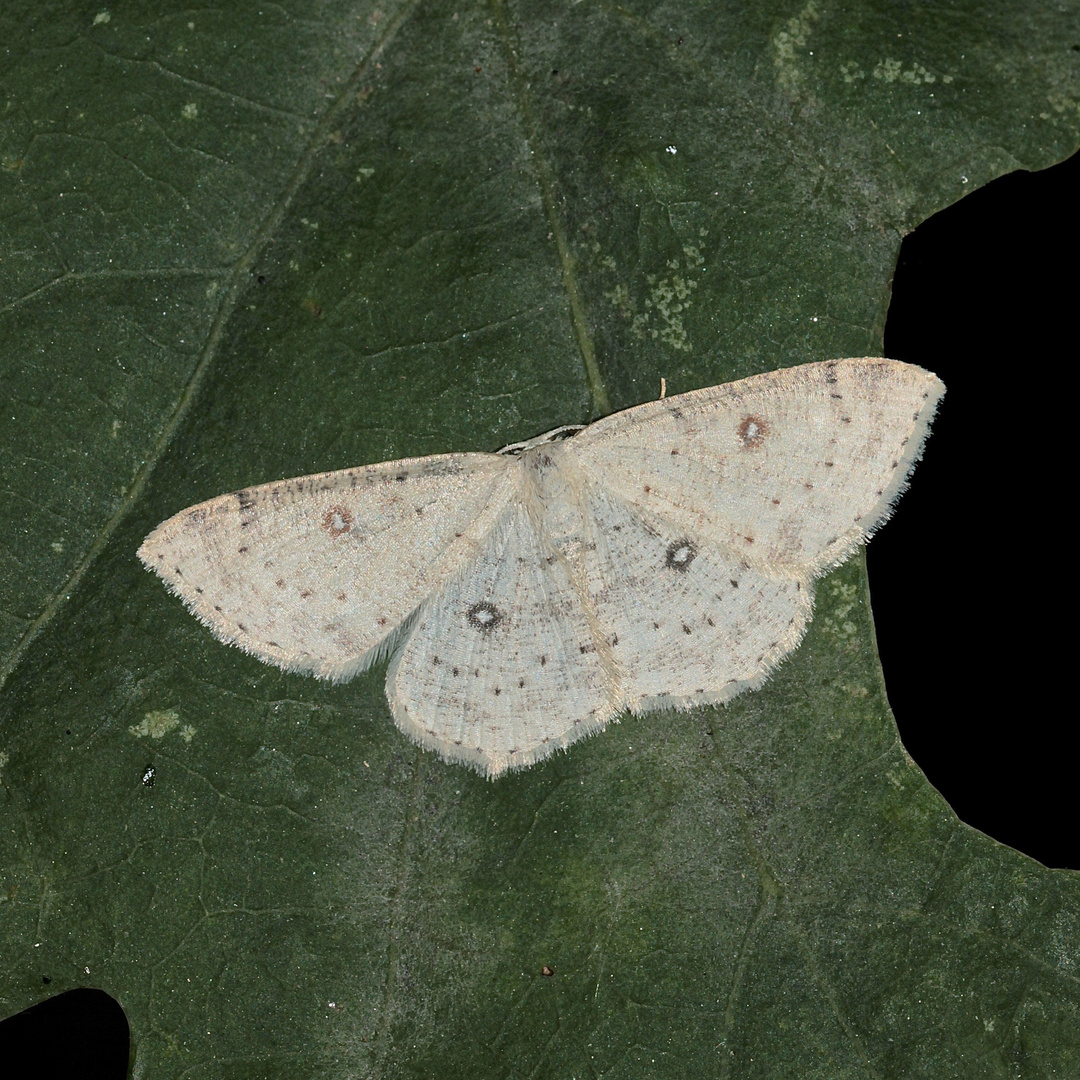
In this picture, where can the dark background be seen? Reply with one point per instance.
(964, 579)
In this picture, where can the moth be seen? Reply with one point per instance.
(662, 557)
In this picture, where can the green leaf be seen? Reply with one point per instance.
(244, 243)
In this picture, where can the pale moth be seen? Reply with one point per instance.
(662, 557)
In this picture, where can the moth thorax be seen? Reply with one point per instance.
(554, 496)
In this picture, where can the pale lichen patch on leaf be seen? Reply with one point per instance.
(788, 45)
(156, 724)
(890, 71)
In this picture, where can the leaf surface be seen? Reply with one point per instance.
(246, 243)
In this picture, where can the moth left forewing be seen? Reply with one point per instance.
(789, 470)
(313, 574)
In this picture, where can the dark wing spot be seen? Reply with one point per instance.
(751, 432)
(734, 583)
(680, 554)
(675, 452)
(484, 617)
(337, 520)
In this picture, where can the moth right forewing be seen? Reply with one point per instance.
(789, 470)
